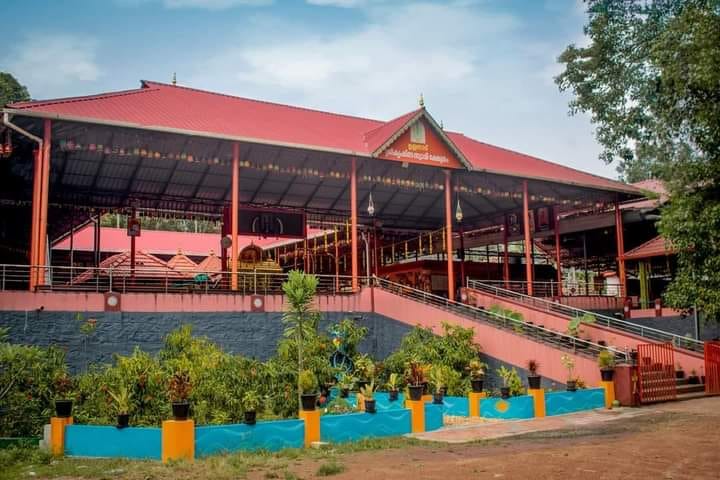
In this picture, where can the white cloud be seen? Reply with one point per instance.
(54, 63)
(481, 72)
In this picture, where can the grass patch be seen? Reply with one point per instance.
(330, 468)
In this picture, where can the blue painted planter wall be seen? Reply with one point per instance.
(558, 403)
(433, 417)
(104, 441)
(456, 406)
(274, 435)
(511, 408)
(355, 426)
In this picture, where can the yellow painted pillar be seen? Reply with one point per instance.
(427, 398)
(178, 440)
(312, 426)
(57, 434)
(417, 415)
(609, 387)
(474, 403)
(538, 395)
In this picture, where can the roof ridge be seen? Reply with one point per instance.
(542, 160)
(61, 100)
(266, 102)
(384, 124)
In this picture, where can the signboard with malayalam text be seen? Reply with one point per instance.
(421, 144)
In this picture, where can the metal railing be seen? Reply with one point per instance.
(552, 289)
(557, 308)
(158, 280)
(520, 327)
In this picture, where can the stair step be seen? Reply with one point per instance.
(683, 389)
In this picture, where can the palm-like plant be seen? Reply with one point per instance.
(301, 317)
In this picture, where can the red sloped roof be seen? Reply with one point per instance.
(182, 262)
(146, 266)
(656, 247)
(159, 106)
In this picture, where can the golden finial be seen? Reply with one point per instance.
(422, 101)
(174, 80)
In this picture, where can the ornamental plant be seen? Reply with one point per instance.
(532, 367)
(606, 360)
(414, 373)
(365, 368)
(368, 391)
(180, 387)
(393, 382)
(250, 401)
(476, 368)
(569, 363)
(308, 382)
(121, 399)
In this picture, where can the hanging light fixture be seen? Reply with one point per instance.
(458, 211)
(371, 206)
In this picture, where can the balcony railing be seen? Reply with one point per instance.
(552, 289)
(157, 280)
(557, 308)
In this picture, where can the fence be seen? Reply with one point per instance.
(554, 289)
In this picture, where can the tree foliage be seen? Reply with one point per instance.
(650, 80)
(11, 90)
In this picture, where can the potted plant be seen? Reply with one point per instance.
(569, 364)
(364, 370)
(606, 362)
(438, 378)
(308, 388)
(415, 378)
(477, 373)
(679, 372)
(121, 398)
(505, 374)
(367, 393)
(533, 378)
(392, 385)
(179, 390)
(693, 378)
(345, 384)
(250, 403)
(63, 403)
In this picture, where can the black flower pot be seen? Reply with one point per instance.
(534, 381)
(571, 386)
(123, 420)
(63, 408)
(477, 384)
(344, 392)
(694, 380)
(680, 374)
(416, 392)
(362, 384)
(308, 401)
(181, 410)
(250, 416)
(370, 406)
(438, 398)
(607, 374)
(393, 395)
(443, 391)
(505, 392)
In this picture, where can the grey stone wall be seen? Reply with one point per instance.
(250, 334)
(678, 325)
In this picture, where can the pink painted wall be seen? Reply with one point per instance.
(152, 302)
(504, 345)
(615, 338)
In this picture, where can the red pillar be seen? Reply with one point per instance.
(620, 248)
(35, 225)
(557, 251)
(353, 225)
(44, 193)
(448, 236)
(234, 206)
(528, 240)
(462, 259)
(506, 256)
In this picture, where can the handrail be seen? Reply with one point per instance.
(521, 327)
(574, 312)
(544, 288)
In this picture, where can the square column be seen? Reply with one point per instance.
(528, 240)
(234, 206)
(448, 237)
(353, 225)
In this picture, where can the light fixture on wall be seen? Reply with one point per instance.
(371, 206)
(458, 211)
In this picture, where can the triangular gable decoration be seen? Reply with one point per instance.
(421, 141)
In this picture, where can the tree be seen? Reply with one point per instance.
(11, 90)
(650, 80)
(301, 317)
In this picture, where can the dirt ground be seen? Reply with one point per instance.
(678, 441)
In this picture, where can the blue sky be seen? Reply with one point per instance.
(485, 67)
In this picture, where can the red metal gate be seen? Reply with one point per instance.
(656, 372)
(712, 368)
